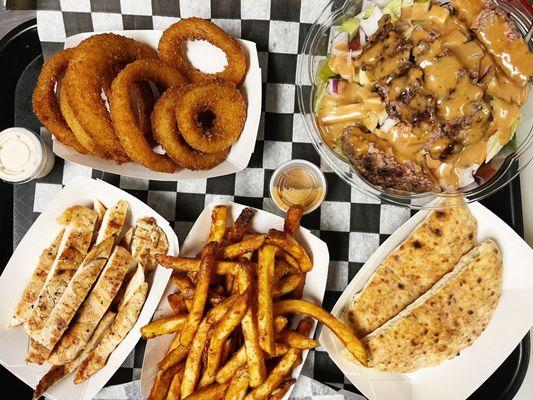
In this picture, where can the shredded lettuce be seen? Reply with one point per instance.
(320, 92)
(326, 72)
(351, 26)
(494, 146)
(362, 78)
(394, 8)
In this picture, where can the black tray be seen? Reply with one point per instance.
(20, 61)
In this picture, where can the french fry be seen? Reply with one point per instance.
(265, 315)
(276, 376)
(286, 285)
(239, 228)
(287, 243)
(304, 327)
(174, 357)
(183, 283)
(282, 390)
(239, 385)
(298, 291)
(250, 331)
(231, 320)
(247, 245)
(297, 340)
(162, 382)
(212, 392)
(175, 386)
(174, 343)
(163, 326)
(218, 224)
(290, 260)
(240, 357)
(193, 364)
(282, 269)
(343, 333)
(200, 295)
(292, 220)
(186, 264)
(178, 304)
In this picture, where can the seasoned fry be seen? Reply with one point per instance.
(238, 386)
(247, 245)
(345, 335)
(175, 386)
(290, 260)
(282, 390)
(280, 371)
(179, 306)
(239, 228)
(173, 357)
(287, 243)
(162, 382)
(292, 220)
(282, 268)
(241, 356)
(231, 320)
(286, 285)
(255, 357)
(298, 291)
(265, 315)
(212, 392)
(193, 364)
(163, 326)
(297, 340)
(186, 264)
(218, 224)
(200, 295)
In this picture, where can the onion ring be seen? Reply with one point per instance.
(166, 133)
(45, 102)
(95, 58)
(172, 49)
(219, 100)
(123, 115)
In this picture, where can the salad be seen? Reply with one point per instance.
(419, 96)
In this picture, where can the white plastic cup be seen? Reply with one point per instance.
(23, 156)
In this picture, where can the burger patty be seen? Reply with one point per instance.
(382, 169)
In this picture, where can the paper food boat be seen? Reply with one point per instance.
(240, 153)
(459, 377)
(14, 342)
(315, 284)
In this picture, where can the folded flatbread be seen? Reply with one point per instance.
(430, 252)
(445, 320)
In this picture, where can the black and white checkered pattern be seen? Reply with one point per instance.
(353, 225)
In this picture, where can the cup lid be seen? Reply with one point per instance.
(20, 154)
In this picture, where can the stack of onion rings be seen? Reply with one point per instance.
(172, 49)
(123, 115)
(223, 102)
(167, 134)
(107, 108)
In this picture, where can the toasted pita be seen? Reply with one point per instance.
(445, 320)
(430, 252)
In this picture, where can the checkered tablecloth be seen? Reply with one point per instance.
(352, 224)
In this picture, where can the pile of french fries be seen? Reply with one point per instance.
(232, 337)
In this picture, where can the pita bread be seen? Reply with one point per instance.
(445, 320)
(430, 252)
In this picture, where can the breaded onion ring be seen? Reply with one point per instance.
(123, 114)
(166, 133)
(220, 102)
(45, 102)
(172, 49)
(95, 58)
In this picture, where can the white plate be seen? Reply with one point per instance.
(14, 341)
(315, 284)
(241, 151)
(459, 377)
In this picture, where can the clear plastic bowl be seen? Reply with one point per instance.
(315, 47)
